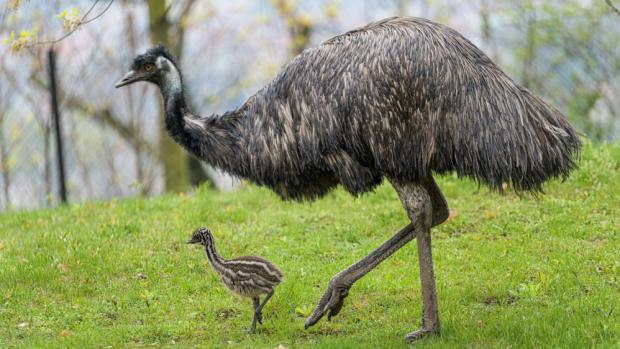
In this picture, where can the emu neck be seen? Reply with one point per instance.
(175, 106)
(213, 139)
(214, 258)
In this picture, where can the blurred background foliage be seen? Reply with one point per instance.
(115, 144)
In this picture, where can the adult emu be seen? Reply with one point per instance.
(401, 98)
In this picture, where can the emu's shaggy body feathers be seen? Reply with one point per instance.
(403, 98)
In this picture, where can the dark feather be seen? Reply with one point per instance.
(151, 55)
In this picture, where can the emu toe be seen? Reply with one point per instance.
(419, 334)
(330, 303)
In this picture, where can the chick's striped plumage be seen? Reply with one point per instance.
(249, 276)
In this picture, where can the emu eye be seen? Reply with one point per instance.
(148, 67)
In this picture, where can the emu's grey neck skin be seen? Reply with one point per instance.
(172, 92)
(172, 85)
(176, 111)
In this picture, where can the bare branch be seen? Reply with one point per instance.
(613, 8)
(300, 26)
(82, 22)
(105, 116)
(97, 16)
(180, 27)
(186, 8)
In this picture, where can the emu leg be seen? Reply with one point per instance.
(417, 200)
(433, 212)
(440, 205)
(430, 310)
(257, 317)
(425, 207)
(259, 308)
(338, 288)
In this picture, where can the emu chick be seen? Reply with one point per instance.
(248, 276)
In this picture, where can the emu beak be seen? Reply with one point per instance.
(192, 241)
(130, 77)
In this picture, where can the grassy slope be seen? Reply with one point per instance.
(511, 272)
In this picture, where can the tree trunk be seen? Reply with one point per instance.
(135, 121)
(299, 26)
(173, 157)
(197, 174)
(530, 46)
(485, 20)
(402, 7)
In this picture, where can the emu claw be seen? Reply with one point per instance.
(330, 303)
(421, 333)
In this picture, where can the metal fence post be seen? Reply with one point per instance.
(57, 130)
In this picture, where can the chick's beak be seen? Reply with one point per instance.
(192, 241)
(130, 77)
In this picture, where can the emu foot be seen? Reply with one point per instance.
(258, 317)
(421, 333)
(330, 303)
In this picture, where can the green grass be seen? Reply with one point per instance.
(511, 271)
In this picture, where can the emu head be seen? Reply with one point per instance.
(201, 236)
(156, 65)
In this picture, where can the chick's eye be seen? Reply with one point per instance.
(148, 67)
